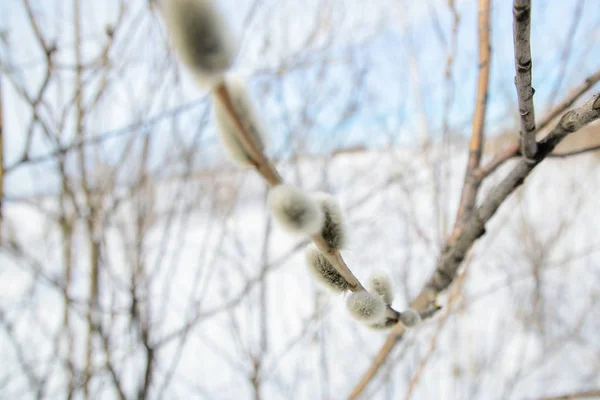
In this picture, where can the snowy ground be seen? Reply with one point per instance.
(510, 337)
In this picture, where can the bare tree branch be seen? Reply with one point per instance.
(468, 194)
(261, 163)
(471, 184)
(264, 167)
(458, 247)
(514, 151)
(140, 254)
(521, 32)
(453, 255)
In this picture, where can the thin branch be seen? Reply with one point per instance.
(269, 173)
(468, 195)
(261, 163)
(453, 255)
(36, 29)
(525, 92)
(513, 150)
(471, 184)
(458, 247)
(569, 100)
(264, 167)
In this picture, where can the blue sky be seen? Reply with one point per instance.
(388, 110)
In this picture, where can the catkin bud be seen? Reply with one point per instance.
(323, 270)
(201, 37)
(294, 210)
(380, 282)
(248, 115)
(409, 318)
(334, 230)
(366, 307)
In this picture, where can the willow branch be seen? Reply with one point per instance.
(269, 173)
(521, 33)
(471, 184)
(514, 151)
(461, 243)
(469, 191)
(260, 161)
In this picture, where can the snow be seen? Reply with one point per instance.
(203, 258)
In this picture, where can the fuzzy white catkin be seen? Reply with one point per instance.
(366, 307)
(380, 282)
(294, 210)
(246, 111)
(409, 318)
(201, 37)
(323, 270)
(334, 230)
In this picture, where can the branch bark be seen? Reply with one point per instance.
(261, 163)
(269, 173)
(468, 195)
(471, 184)
(521, 33)
(457, 248)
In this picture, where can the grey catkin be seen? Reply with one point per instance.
(366, 307)
(294, 210)
(201, 37)
(409, 318)
(380, 282)
(334, 230)
(323, 271)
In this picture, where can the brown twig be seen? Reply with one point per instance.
(453, 255)
(468, 195)
(471, 184)
(335, 257)
(569, 100)
(269, 173)
(458, 247)
(525, 92)
(260, 161)
(266, 170)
